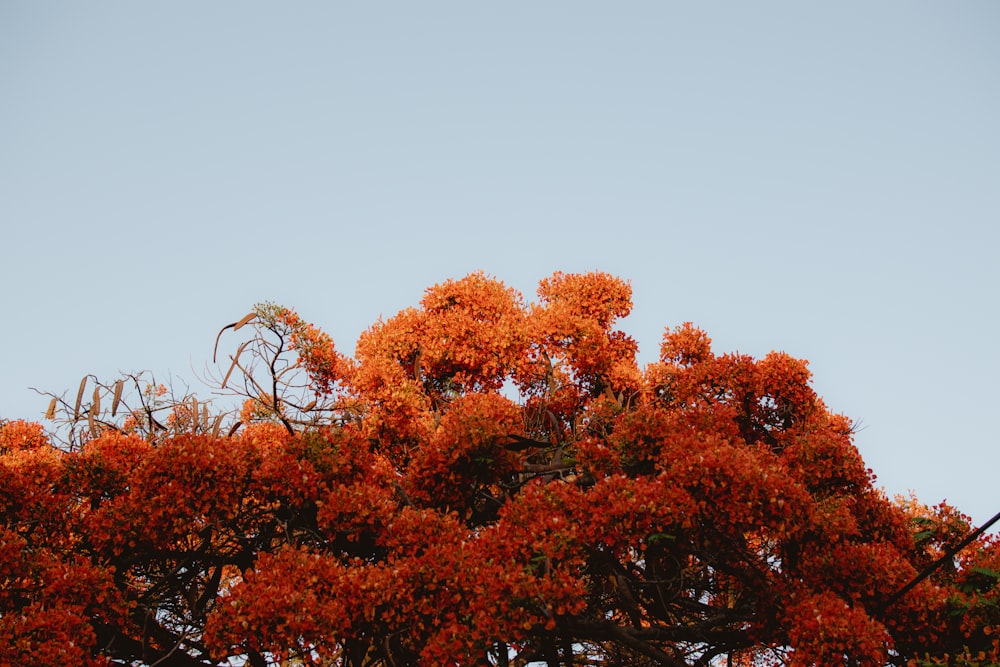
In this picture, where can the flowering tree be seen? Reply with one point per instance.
(484, 482)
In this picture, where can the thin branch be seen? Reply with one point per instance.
(948, 555)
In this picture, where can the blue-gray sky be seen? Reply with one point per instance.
(819, 178)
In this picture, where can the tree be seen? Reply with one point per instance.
(485, 482)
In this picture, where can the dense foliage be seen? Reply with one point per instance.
(484, 482)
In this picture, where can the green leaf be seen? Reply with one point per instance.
(986, 572)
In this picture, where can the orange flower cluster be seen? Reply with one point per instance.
(325, 365)
(501, 484)
(21, 435)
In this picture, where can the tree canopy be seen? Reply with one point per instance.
(486, 481)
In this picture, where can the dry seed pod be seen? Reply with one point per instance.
(79, 397)
(235, 325)
(118, 397)
(236, 359)
(249, 317)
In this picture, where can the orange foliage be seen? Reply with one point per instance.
(493, 479)
(21, 435)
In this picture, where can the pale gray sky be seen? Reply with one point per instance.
(819, 178)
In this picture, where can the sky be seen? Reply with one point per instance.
(817, 178)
